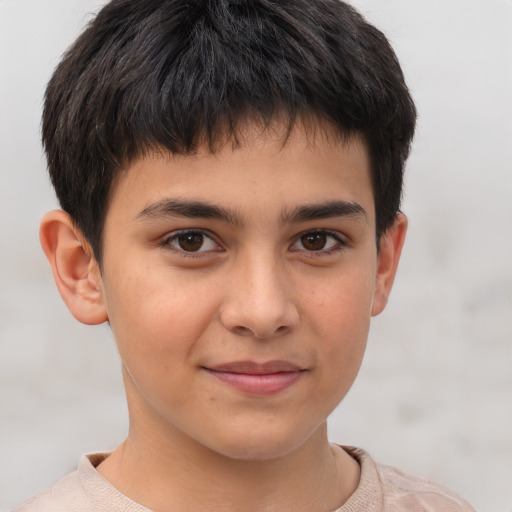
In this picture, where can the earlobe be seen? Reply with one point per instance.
(391, 244)
(74, 268)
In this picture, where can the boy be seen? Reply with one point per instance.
(230, 175)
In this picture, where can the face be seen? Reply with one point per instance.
(239, 287)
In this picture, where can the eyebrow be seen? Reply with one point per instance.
(324, 211)
(190, 209)
(203, 210)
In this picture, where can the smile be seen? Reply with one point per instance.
(258, 379)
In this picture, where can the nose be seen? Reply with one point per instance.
(260, 301)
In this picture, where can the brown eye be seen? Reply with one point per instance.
(320, 241)
(190, 242)
(314, 241)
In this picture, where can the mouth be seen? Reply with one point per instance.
(261, 379)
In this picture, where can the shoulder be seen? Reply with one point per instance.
(66, 495)
(84, 490)
(396, 490)
(408, 490)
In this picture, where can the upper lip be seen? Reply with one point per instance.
(254, 368)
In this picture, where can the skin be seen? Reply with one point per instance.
(254, 279)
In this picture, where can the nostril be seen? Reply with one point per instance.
(243, 331)
(258, 334)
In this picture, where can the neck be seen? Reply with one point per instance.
(184, 475)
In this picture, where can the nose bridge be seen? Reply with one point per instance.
(261, 301)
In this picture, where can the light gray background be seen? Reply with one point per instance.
(435, 393)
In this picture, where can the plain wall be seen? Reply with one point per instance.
(434, 395)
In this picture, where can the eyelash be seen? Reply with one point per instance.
(174, 237)
(338, 245)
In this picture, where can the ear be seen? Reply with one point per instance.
(75, 270)
(391, 243)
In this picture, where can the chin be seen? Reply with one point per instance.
(260, 446)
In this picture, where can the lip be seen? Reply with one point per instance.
(263, 379)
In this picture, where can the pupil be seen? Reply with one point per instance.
(314, 241)
(190, 242)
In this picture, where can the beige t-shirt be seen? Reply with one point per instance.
(381, 489)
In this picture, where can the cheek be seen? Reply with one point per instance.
(341, 323)
(158, 317)
(159, 338)
(343, 303)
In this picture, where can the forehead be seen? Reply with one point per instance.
(267, 168)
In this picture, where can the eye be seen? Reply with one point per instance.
(191, 241)
(318, 241)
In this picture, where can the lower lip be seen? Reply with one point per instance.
(263, 385)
